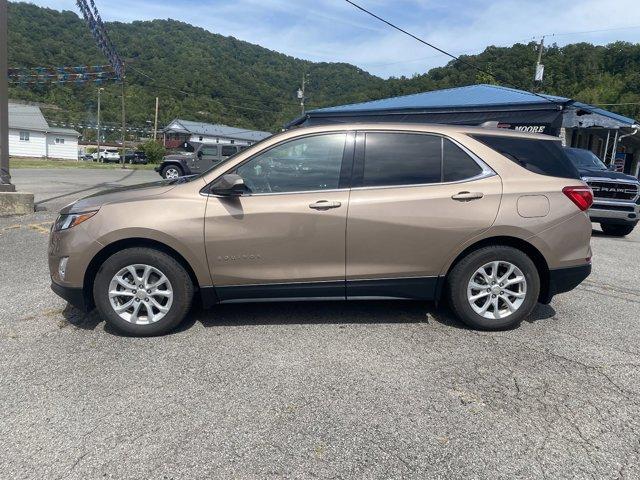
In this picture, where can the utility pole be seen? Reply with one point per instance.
(100, 89)
(5, 176)
(155, 124)
(124, 124)
(301, 91)
(537, 79)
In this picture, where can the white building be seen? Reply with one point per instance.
(31, 136)
(179, 131)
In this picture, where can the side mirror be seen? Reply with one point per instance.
(229, 185)
(199, 154)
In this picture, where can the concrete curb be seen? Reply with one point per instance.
(16, 203)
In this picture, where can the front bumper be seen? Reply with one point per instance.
(74, 296)
(614, 212)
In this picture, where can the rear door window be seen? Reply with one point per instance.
(401, 159)
(228, 150)
(545, 157)
(457, 165)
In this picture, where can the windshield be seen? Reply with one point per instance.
(585, 159)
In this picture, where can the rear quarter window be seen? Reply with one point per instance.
(545, 157)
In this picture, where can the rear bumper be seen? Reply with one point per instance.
(565, 279)
(74, 296)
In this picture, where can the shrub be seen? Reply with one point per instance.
(153, 150)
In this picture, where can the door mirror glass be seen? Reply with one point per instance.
(229, 185)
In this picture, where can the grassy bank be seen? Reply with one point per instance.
(20, 162)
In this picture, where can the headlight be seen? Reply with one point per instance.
(71, 220)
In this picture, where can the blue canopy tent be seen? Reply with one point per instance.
(471, 105)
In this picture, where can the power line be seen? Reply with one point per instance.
(444, 52)
(563, 34)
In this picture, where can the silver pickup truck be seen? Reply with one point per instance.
(616, 196)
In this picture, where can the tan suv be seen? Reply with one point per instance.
(493, 220)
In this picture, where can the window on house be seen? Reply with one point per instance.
(24, 136)
(59, 141)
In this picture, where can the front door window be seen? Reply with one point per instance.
(302, 165)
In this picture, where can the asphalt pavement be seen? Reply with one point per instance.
(313, 390)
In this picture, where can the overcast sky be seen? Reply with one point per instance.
(332, 30)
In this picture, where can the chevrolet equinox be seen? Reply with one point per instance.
(491, 220)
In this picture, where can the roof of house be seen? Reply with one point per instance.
(625, 121)
(63, 131)
(29, 117)
(214, 130)
(472, 96)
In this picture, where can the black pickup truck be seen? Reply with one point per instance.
(195, 158)
(616, 196)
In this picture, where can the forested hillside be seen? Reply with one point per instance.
(204, 76)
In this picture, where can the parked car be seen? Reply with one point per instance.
(492, 220)
(107, 155)
(616, 196)
(87, 157)
(195, 158)
(137, 158)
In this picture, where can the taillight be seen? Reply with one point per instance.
(582, 196)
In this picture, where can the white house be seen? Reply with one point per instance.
(31, 136)
(179, 131)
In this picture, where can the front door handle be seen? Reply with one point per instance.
(467, 196)
(325, 205)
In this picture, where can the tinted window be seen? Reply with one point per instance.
(456, 164)
(402, 159)
(210, 151)
(584, 159)
(545, 157)
(311, 163)
(228, 150)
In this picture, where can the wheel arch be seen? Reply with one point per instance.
(174, 163)
(508, 241)
(118, 245)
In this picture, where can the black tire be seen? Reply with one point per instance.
(169, 168)
(180, 282)
(616, 230)
(459, 277)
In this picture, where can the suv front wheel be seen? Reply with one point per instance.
(494, 288)
(172, 171)
(142, 291)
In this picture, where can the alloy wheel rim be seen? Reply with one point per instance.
(172, 173)
(497, 290)
(140, 294)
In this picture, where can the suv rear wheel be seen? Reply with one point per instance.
(172, 171)
(142, 291)
(616, 230)
(494, 288)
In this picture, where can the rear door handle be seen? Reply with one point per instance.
(467, 196)
(325, 205)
